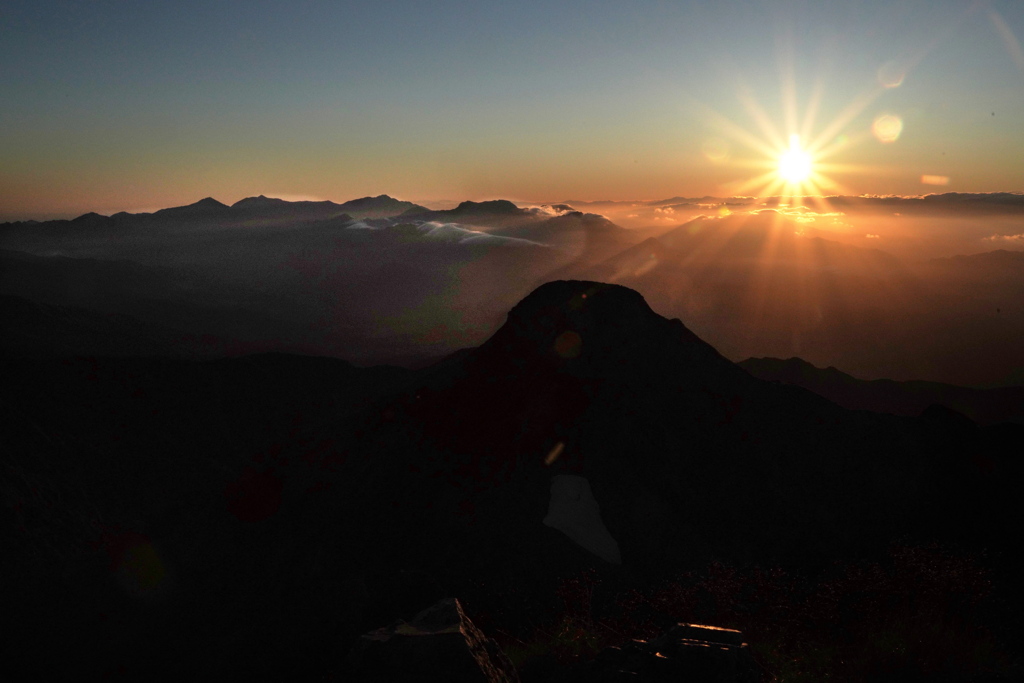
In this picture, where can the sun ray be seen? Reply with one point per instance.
(737, 132)
(813, 104)
(761, 118)
(787, 77)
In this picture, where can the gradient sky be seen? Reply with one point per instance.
(112, 106)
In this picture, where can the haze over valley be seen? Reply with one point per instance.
(378, 280)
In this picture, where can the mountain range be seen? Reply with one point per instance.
(382, 280)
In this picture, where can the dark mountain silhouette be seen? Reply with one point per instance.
(92, 219)
(592, 367)
(270, 208)
(499, 206)
(983, 406)
(207, 209)
(204, 215)
(381, 206)
(33, 330)
(261, 202)
(494, 213)
(243, 517)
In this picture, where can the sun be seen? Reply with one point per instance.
(801, 164)
(795, 164)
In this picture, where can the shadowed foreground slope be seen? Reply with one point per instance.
(251, 517)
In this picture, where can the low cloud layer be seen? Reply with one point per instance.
(454, 232)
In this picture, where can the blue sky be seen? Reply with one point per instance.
(115, 105)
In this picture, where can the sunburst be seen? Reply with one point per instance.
(795, 164)
(797, 159)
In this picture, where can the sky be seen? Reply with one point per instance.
(111, 106)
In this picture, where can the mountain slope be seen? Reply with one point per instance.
(249, 516)
(33, 330)
(984, 406)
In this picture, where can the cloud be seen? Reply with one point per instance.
(1016, 239)
(935, 179)
(294, 197)
(550, 209)
(947, 202)
(801, 214)
(456, 233)
(872, 237)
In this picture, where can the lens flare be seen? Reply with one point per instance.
(887, 128)
(891, 75)
(716, 150)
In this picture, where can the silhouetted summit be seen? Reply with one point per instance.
(207, 203)
(262, 208)
(492, 206)
(597, 329)
(493, 213)
(259, 201)
(90, 219)
(379, 207)
(206, 207)
(685, 452)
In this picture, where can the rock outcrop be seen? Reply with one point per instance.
(439, 644)
(573, 511)
(686, 652)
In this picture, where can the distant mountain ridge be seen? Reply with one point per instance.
(209, 209)
(984, 406)
(756, 282)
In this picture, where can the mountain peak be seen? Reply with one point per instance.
(596, 329)
(491, 206)
(209, 203)
(256, 202)
(91, 218)
(205, 205)
(370, 201)
(381, 206)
